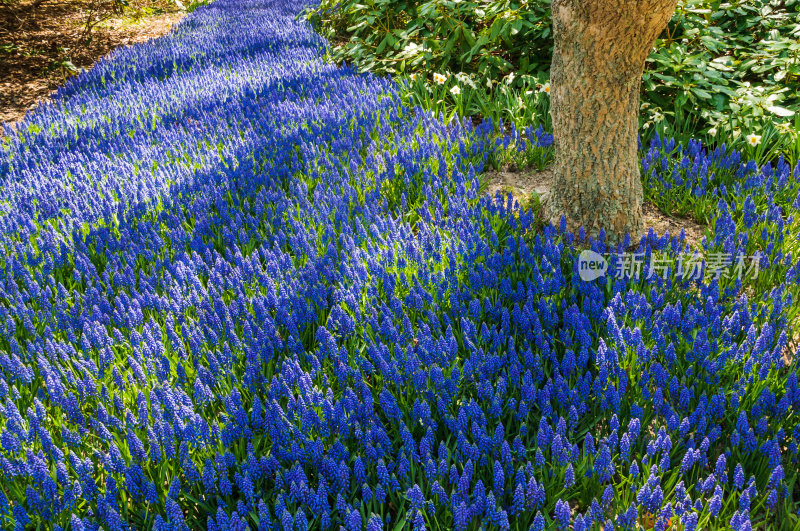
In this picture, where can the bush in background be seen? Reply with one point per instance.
(721, 71)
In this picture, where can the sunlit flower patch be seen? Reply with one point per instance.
(244, 288)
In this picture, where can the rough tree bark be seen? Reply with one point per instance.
(596, 74)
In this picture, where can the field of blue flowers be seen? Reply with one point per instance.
(244, 288)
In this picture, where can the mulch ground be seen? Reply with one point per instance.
(42, 42)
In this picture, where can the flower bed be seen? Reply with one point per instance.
(243, 287)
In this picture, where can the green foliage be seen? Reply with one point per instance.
(195, 4)
(732, 67)
(494, 38)
(466, 95)
(721, 69)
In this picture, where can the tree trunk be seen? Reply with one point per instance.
(596, 75)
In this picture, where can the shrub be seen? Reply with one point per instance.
(721, 69)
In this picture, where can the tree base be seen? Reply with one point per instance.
(615, 218)
(598, 59)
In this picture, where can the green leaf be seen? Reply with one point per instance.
(497, 27)
(382, 44)
(724, 90)
(667, 79)
(780, 111)
(469, 36)
(701, 93)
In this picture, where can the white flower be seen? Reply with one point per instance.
(658, 117)
(480, 12)
(712, 131)
(488, 82)
(753, 140)
(545, 88)
(510, 78)
(439, 79)
(456, 90)
(464, 78)
(528, 92)
(413, 76)
(411, 47)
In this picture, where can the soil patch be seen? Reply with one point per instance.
(521, 184)
(660, 223)
(43, 42)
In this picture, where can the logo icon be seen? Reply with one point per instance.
(591, 265)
